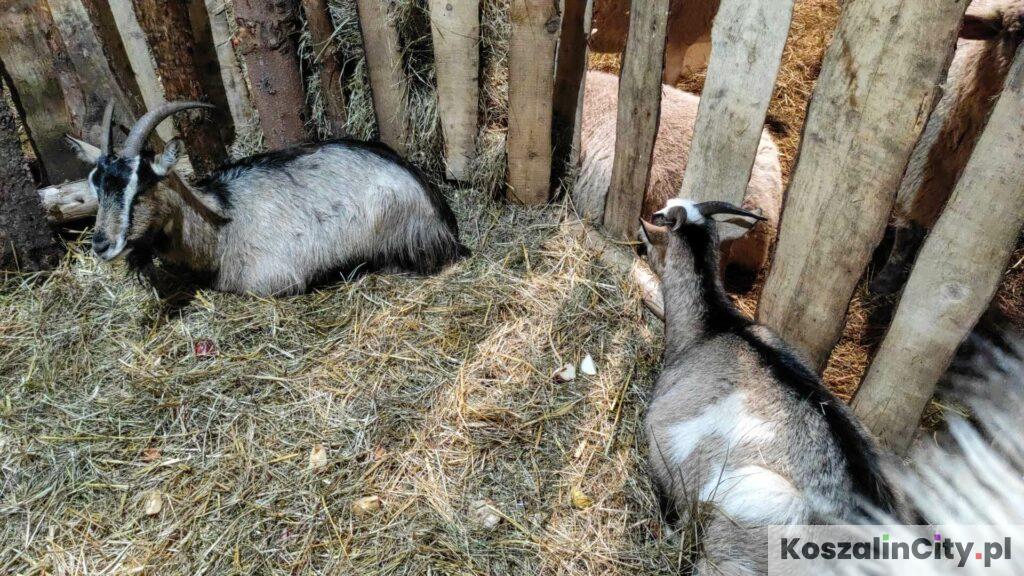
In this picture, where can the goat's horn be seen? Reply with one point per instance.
(108, 127)
(146, 124)
(711, 208)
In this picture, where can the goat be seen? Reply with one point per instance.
(671, 150)
(991, 32)
(687, 37)
(737, 423)
(270, 224)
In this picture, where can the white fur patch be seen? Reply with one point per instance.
(727, 419)
(129, 198)
(755, 495)
(692, 214)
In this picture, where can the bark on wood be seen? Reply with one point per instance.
(113, 55)
(624, 262)
(33, 70)
(570, 84)
(321, 32)
(168, 28)
(387, 76)
(531, 60)
(236, 89)
(747, 42)
(955, 277)
(265, 35)
(26, 242)
(142, 64)
(208, 64)
(871, 102)
(89, 61)
(455, 26)
(639, 113)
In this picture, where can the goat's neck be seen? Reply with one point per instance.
(695, 301)
(191, 237)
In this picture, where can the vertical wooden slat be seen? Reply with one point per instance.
(266, 41)
(208, 63)
(639, 111)
(531, 78)
(321, 31)
(236, 89)
(956, 275)
(137, 49)
(455, 26)
(31, 70)
(387, 76)
(747, 42)
(871, 102)
(570, 84)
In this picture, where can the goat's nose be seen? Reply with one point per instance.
(100, 244)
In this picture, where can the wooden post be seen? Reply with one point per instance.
(956, 275)
(531, 78)
(26, 243)
(746, 50)
(266, 43)
(169, 29)
(137, 50)
(455, 26)
(236, 89)
(877, 85)
(387, 76)
(639, 112)
(207, 63)
(321, 32)
(32, 72)
(570, 84)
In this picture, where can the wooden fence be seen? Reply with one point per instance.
(877, 85)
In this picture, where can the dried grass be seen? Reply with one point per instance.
(432, 394)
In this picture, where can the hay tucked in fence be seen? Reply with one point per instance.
(433, 395)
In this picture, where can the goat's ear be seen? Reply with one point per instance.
(166, 161)
(981, 25)
(651, 234)
(86, 152)
(735, 227)
(673, 217)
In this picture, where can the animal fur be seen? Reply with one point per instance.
(738, 426)
(671, 150)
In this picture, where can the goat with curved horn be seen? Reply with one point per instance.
(142, 129)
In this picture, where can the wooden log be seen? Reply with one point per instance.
(639, 112)
(570, 84)
(956, 275)
(143, 67)
(89, 60)
(236, 89)
(455, 26)
(32, 71)
(26, 243)
(168, 29)
(321, 31)
(68, 202)
(878, 82)
(387, 76)
(747, 42)
(265, 37)
(531, 78)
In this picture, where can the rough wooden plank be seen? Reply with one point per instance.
(30, 67)
(570, 84)
(871, 102)
(207, 62)
(68, 202)
(531, 60)
(321, 32)
(455, 26)
(26, 243)
(955, 277)
(747, 42)
(143, 66)
(236, 89)
(266, 42)
(639, 113)
(387, 76)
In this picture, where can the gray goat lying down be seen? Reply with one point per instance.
(738, 426)
(270, 224)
